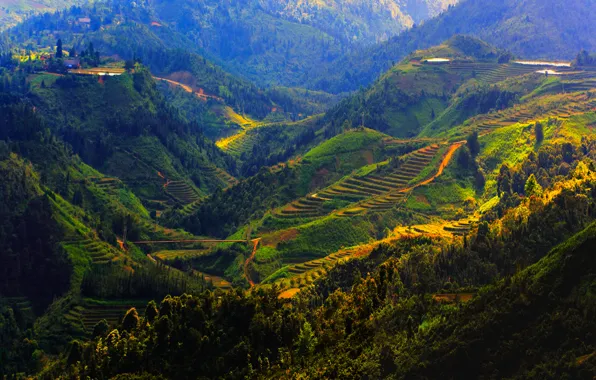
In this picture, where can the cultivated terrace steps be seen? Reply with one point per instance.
(306, 273)
(574, 104)
(382, 187)
(91, 314)
(182, 192)
(309, 207)
(493, 72)
(461, 227)
(108, 185)
(101, 253)
(22, 304)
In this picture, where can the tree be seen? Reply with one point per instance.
(59, 53)
(100, 328)
(473, 143)
(151, 311)
(539, 131)
(307, 341)
(464, 158)
(129, 65)
(131, 320)
(75, 353)
(504, 180)
(532, 187)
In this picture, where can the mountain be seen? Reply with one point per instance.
(270, 43)
(366, 21)
(529, 29)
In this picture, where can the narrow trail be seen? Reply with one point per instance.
(249, 260)
(200, 94)
(446, 160)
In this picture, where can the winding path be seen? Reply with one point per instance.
(249, 260)
(201, 95)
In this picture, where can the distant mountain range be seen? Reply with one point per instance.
(532, 29)
(271, 43)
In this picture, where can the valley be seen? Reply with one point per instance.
(297, 189)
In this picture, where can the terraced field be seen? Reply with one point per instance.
(108, 185)
(560, 106)
(384, 187)
(306, 273)
(92, 313)
(216, 281)
(378, 184)
(493, 72)
(170, 255)
(309, 207)
(461, 227)
(100, 252)
(22, 304)
(182, 192)
(241, 142)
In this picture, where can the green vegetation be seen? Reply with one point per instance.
(448, 231)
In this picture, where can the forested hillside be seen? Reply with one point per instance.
(368, 21)
(271, 43)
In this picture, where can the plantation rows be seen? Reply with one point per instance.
(238, 144)
(306, 273)
(182, 192)
(567, 106)
(216, 281)
(101, 253)
(108, 185)
(493, 73)
(92, 314)
(22, 304)
(460, 228)
(383, 186)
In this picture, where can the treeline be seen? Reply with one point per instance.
(94, 135)
(225, 211)
(276, 145)
(142, 282)
(371, 317)
(30, 257)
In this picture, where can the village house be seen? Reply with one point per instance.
(73, 63)
(85, 22)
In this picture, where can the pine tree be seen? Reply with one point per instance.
(59, 53)
(532, 187)
(539, 131)
(473, 144)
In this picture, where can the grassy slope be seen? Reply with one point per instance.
(411, 95)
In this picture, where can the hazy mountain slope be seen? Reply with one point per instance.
(358, 20)
(267, 42)
(552, 29)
